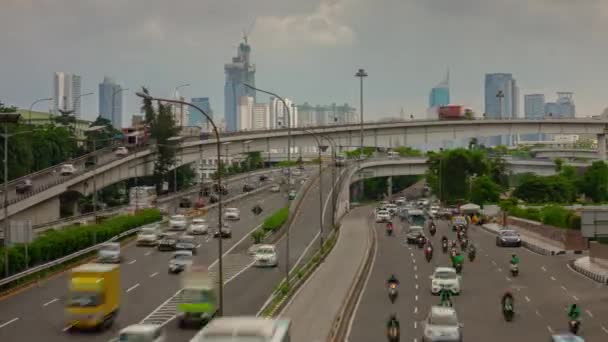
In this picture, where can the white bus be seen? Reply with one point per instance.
(244, 329)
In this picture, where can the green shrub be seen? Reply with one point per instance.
(258, 236)
(54, 244)
(555, 215)
(276, 220)
(574, 222)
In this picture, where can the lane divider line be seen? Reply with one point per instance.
(575, 298)
(538, 314)
(589, 313)
(553, 278)
(132, 261)
(9, 322)
(550, 329)
(153, 274)
(415, 324)
(416, 310)
(148, 253)
(508, 279)
(543, 268)
(564, 288)
(50, 302)
(133, 287)
(416, 297)
(527, 299)
(605, 330)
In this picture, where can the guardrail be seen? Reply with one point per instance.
(67, 258)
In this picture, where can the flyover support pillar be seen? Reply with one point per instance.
(389, 187)
(601, 146)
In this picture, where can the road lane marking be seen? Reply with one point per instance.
(494, 262)
(575, 298)
(605, 330)
(132, 261)
(416, 286)
(414, 261)
(67, 328)
(153, 274)
(133, 287)
(198, 246)
(50, 302)
(416, 276)
(543, 268)
(550, 329)
(589, 313)
(416, 310)
(508, 279)
(412, 255)
(564, 288)
(148, 253)
(9, 322)
(415, 268)
(553, 278)
(527, 299)
(415, 324)
(538, 313)
(499, 269)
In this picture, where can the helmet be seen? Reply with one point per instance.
(513, 255)
(393, 317)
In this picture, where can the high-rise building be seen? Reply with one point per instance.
(260, 116)
(278, 113)
(239, 71)
(501, 101)
(562, 108)
(66, 93)
(110, 101)
(326, 115)
(534, 108)
(440, 94)
(244, 114)
(195, 117)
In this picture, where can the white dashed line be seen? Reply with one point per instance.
(153, 274)
(527, 299)
(132, 261)
(543, 268)
(415, 276)
(564, 288)
(67, 328)
(499, 269)
(605, 330)
(9, 322)
(148, 253)
(198, 246)
(416, 310)
(133, 287)
(50, 302)
(416, 286)
(414, 261)
(553, 278)
(575, 298)
(416, 297)
(538, 314)
(412, 255)
(493, 262)
(415, 324)
(589, 313)
(508, 279)
(550, 329)
(415, 268)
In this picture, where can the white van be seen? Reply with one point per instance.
(244, 329)
(141, 333)
(67, 170)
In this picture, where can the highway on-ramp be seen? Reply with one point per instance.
(543, 290)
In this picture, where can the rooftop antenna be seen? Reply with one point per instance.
(247, 31)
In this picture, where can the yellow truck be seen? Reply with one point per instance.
(93, 296)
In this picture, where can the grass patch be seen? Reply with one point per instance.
(275, 221)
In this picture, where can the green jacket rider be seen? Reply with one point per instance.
(444, 295)
(458, 259)
(514, 260)
(574, 312)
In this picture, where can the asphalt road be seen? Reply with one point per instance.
(145, 283)
(246, 293)
(543, 290)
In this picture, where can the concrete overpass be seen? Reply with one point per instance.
(564, 153)
(42, 204)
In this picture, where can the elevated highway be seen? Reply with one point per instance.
(564, 153)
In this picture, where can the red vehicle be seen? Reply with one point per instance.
(454, 112)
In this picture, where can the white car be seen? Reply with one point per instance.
(266, 255)
(148, 236)
(178, 222)
(232, 214)
(392, 208)
(400, 201)
(141, 333)
(198, 226)
(109, 253)
(275, 188)
(442, 325)
(445, 277)
(434, 210)
(296, 172)
(67, 170)
(383, 216)
(121, 151)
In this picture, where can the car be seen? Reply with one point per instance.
(263, 178)
(179, 261)
(442, 324)
(226, 233)
(392, 208)
(220, 188)
(275, 188)
(141, 333)
(445, 277)
(248, 187)
(383, 216)
(566, 338)
(413, 233)
(266, 255)
(295, 172)
(24, 186)
(458, 222)
(214, 198)
(508, 238)
(186, 243)
(232, 214)
(434, 211)
(167, 242)
(198, 226)
(109, 252)
(292, 195)
(400, 201)
(67, 170)
(121, 151)
(148, 236)
(178, 222)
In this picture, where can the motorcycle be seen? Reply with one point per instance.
(464, 243)
(392, 292)
(458, 268)
(393, 334)
(508, 312)
(471, 255)
(428, 252)
(433, 230)
(389, 230)
(444, 246)
(421, 241)
(574, 325)
(176, 268)
(514, 270)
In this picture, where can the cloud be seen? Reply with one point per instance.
(324, 26)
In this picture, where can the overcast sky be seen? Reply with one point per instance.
(309, 50)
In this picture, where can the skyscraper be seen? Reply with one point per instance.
(239, 71)
(562, 108)
(534, 108)
(501, 101)
(110, 101)
(196, 118)
(440, 94)
(66, 93)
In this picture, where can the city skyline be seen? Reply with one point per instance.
(304, 62)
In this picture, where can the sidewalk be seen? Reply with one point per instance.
(533, 242)
(592, 270)
(313, 309)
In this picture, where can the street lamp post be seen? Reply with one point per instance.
(361, 74)
(96, 129)
(288, 169)
(320, 148)
(247, 144)
(219, 182)
(333, 176)
(32, 107)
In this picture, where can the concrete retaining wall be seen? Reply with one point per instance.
(571, 239)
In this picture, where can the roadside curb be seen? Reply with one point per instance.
(600, 278)
(340, 324)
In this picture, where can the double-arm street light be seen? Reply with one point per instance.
(288, 167)
(32, 107)
(219, 182)
(320, 148)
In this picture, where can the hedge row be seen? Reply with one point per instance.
(553, 215)
(276, 220)
(54, 244)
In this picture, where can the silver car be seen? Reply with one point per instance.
(441, 325)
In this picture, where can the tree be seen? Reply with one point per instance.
(594, 183)
(473, 143)
(162, 128)
(498, 171)
(558, 164)
(484, 190)
(537, 189)
(406, 151)
(103, 137)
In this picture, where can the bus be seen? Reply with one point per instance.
(244, 329)
(416, 217)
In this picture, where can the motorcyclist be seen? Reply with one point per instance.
(514, 260)
(392, 280)
(444, 296)
(444, 239)
(393, 322)
(507, 301)
(389, 225)
(457, 259)
(574, 312)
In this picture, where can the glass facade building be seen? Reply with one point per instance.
(501, 107)
(196, 118)
(110, 102)
(239, 71)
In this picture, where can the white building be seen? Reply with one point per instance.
(278, 116)
(260, 116)
(66, 93)
(562, 108)
(244, 113)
